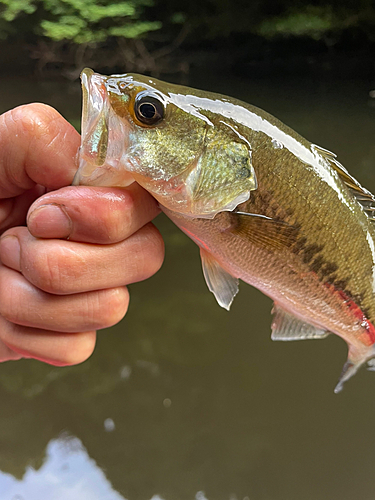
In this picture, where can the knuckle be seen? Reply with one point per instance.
(45, 272)
(35, 115)
(119, 219)
(114, 224)
(129, 204)
(34, 119)
(54, 271)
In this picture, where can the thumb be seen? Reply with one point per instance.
(37, 146)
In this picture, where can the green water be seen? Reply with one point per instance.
(183, 400)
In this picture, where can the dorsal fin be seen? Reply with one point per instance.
(361, 194)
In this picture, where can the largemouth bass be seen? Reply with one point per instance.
(263, 204)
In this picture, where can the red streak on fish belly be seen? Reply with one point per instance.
(368, 336)
(195, 238)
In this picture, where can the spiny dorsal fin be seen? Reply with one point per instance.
(222, 284)
(285, 326)
(362, 195)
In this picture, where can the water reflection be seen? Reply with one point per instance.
(67, 473)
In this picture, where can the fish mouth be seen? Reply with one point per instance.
(102, 155)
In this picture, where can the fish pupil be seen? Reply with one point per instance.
(147, 110)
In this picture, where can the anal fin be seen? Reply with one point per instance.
(287, 327)
(222, 284)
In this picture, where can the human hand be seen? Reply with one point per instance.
(63, 277)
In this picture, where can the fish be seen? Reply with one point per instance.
(264, 205)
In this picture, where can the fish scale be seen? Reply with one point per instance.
(264, 204)
(339, 228)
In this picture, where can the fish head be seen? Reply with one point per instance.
(162, 136)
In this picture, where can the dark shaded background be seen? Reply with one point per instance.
(164, 36)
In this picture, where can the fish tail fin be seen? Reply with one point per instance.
(349, 369)
(354, 362)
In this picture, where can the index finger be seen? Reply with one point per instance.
(92, 214)
(37, 146)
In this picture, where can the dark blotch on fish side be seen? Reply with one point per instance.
(342, 285)
(299, 245)
(317, 264)
(329, 268)
(310, 251)
(324, 269)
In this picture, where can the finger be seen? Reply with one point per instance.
(94, 215)
(6, 354)
(65, 267)
(38, 146)
(13, 211)
(60, 349)
(24, 304)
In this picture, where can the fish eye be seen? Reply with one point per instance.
(148, 109)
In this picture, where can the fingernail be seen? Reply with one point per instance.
(10, 252)
(49, 221)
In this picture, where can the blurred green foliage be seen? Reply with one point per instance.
(311, 21)
(140, 35)
(79, 21)
(88, 21)
(13, 8)
(321, 20)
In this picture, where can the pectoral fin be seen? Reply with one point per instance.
(285, 326)
(264, 231)
(222, 284)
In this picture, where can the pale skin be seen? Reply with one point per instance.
(64, 274)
